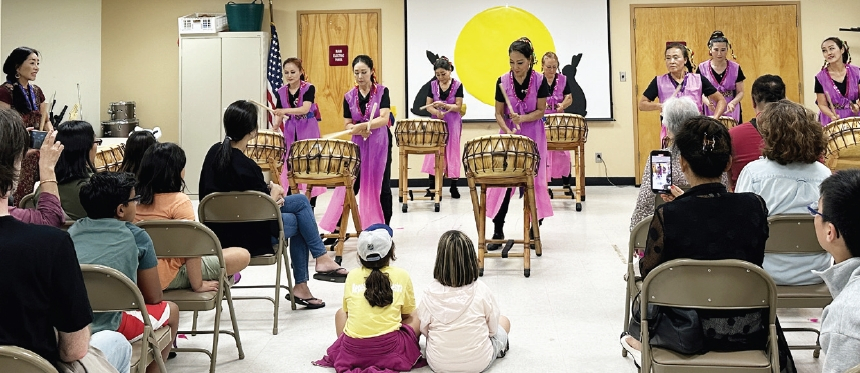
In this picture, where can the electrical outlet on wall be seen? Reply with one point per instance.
(598, 157)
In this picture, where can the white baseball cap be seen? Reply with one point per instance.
(374, 243)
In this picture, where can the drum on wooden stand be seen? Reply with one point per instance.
(267, 149)
(421, 136)
(109, 158)
(843, 144)
(327, 163)
(569, 132)
(503, 161)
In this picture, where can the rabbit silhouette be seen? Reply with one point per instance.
(579, 104)
(421, 97)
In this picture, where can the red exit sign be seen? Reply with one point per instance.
(338, 55)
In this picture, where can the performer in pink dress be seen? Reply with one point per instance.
(559, 99)
(836, 85)
(374, 180)
(297, 114)
(726, 76)
(527, 91)
(680, 81)
(446, 98)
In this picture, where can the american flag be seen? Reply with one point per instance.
(274, 74)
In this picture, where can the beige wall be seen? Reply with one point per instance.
(68, 35)
(140, 59)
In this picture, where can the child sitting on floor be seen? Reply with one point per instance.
(458, 313)
(375, 328)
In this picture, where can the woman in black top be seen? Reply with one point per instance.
(709, 223)
(226, 168)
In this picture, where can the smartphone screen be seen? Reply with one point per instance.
(661, 171)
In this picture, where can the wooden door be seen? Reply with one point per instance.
(359, 30)
(765, 39)
(653, 27)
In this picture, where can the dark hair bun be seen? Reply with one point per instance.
(717, 34)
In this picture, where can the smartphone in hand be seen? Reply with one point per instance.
(661, 171)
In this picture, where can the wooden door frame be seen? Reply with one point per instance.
(378, 12)
(636, 92)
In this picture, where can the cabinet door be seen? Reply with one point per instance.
(242, 68)
(200, 102)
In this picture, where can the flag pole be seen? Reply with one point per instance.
(271, 13)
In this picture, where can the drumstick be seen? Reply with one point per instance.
(262, 106)
(508, 102)
(372, 113)
(337, 134)
(347, 132)
(425, 107)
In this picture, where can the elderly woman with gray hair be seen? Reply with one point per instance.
(676, 111)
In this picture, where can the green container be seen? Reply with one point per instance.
(245, 17)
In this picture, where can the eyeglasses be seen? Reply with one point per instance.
(98, 142)
(135, 199)
(813, 209)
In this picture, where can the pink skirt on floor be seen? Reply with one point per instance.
(393, 352)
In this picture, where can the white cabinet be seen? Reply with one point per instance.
(214, 71)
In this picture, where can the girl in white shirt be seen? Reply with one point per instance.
(458, 313)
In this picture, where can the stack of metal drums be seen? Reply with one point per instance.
(122, 120)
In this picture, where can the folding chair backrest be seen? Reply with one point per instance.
(638, 236)
(181, 238)
(792, 233)
(110, 290)
(28, 201)
(710, 284)
(21, 360)
(235, 207)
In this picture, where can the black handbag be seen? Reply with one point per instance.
(676, 329)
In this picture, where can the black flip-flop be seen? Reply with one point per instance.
(331, 276)
(310, 306)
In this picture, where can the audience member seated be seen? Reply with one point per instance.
(160, 184)
(107, 237)
(46, 309)
(227, 169)
(676, 111)
(787, 178)
(48, 211)
(137, 144)
(837, 226)
(746, 139)
(709, 223)
(75, 165)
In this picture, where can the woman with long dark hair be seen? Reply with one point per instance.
(19, 94)
(226, 168)
(373, 184)
(160, 185)
(297, 115)
(75, 165)
(836, 85)
(527, 91)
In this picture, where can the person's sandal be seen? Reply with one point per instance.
(495, 246)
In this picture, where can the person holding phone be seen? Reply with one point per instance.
(675, 112)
